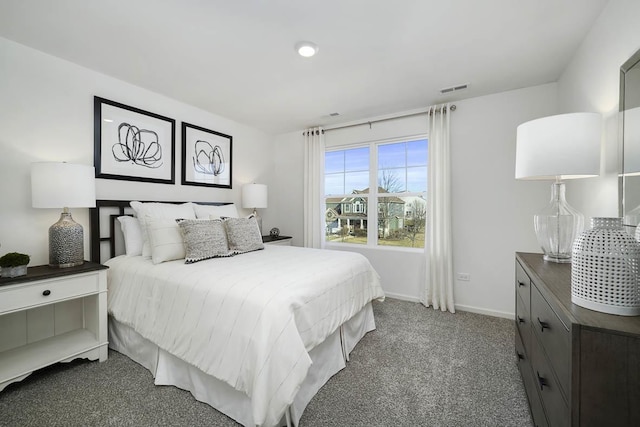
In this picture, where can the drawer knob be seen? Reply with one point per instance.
(541, 381)
(543, 325)
(520, 283)
(520, 355)
(46, 292)
(520, 319)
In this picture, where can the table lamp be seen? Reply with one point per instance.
(565, 146)
(63, 185)
(254, 196)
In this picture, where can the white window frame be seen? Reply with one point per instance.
(372, 197)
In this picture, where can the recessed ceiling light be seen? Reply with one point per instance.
(306, 49)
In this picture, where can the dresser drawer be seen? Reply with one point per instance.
(23, 296)
(523, 285)
(553, 336)
(554, 404)
(524, 365)
(523, 323)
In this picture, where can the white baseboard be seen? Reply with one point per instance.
(402, 297)
(470, 309)
(478, 310)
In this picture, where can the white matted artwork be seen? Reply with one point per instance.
(133, 144)
(206, 157)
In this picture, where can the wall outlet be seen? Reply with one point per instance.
(465, 277)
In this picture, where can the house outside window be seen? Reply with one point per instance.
(379, 183)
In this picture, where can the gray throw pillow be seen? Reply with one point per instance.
(204, 239)
(243, 235)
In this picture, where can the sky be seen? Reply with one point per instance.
(406, 162)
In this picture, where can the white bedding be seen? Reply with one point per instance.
(249, 320)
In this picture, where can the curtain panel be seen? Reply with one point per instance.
(314, 147)
(438, 289)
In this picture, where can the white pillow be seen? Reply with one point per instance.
(165, 240)
(215, 212)
(130, 227)
(161, 211)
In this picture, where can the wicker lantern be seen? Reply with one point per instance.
(605, 269)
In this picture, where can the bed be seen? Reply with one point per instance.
(255, 333)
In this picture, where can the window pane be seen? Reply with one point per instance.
(346, 220)
(334, 161)
(356, 159)
(392, 180)
(417, 179)
(392, 156)
(417, 153)
(346, 171)
(356, 181)
(334, 184)
(401, 221)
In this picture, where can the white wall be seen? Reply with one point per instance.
(591, 83)
(46, 114)
(492, 211)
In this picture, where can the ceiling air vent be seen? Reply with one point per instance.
(453, 88)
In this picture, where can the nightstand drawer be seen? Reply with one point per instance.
(553, 336)
(24, 296)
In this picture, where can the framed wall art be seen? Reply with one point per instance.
(132, 144)
(206, 157)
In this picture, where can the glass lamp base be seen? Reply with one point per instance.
(557, 226)
(557, 258)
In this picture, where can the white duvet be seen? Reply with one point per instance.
(248, 320)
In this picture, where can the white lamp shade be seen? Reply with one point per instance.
(62, 185)
(565, 146)
(254, 196)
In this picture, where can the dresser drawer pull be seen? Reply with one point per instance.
(541, 381)
(521, 284)
(543, 325)
(46, 292)
(520, 355)
(520, 319)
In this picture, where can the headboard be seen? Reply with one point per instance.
(107, 240)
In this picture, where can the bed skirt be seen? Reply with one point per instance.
(327, 357)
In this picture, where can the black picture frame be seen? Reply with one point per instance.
(133, 144)
(206, 157)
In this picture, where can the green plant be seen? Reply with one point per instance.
(14, 259)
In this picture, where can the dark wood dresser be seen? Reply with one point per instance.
(579, 367)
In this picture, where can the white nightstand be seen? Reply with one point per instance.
(280, 240)
(52, 315)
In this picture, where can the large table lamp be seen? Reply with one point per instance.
(63, 186)
(565, 146)
(254, 196)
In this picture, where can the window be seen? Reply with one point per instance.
(381, 183)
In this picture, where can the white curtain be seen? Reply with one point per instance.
(313, 188)
(438, 290)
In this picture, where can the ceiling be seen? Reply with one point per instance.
(237, 58)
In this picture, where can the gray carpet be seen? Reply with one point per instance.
(419, 368)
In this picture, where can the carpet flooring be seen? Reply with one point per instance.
(421, 367)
